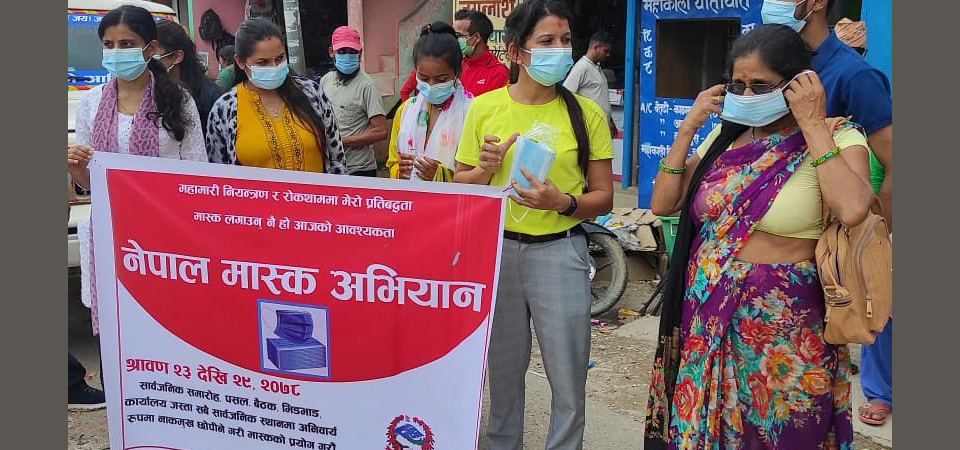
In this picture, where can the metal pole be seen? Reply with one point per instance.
(296, 58)
(629, 122)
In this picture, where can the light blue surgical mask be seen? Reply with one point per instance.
(549, 66)
(537, 159)
(781, 12)
(757, 110)
(346, 63)
(438, 93)
(269, 77)
(124, 63)
(754, 110)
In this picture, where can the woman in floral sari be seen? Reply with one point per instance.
(742, 363)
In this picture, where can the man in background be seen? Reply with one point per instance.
(482, 71)
(858, 90)
(356, 103)
(587, 79)
(226, 59)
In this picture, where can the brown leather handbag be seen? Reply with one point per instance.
(856, 271)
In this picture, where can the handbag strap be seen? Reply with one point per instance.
(828, 257)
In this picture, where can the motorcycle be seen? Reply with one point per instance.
(608, 268)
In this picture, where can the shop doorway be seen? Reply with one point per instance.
(692, 54)
(589, 16)
(318, 20)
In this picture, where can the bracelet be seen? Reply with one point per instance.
(572, 208)
(826, 156)
(671, 170)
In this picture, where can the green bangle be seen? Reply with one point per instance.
(826, 156)
(671, 170)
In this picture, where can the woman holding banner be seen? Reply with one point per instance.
(271, 118)
(428, 126)
(140, 111)
(544, 265)
(128, 113)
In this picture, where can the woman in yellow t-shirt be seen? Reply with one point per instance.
(271, 118)
(742, 360)
(544, 263)
(428, 126)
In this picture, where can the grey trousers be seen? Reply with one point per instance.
(548, 283)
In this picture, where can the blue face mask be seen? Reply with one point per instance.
(781, 12)
(346, 63)
(548, 66)
(269, 77)
(124, 63)
(438, 93)
(754, 110)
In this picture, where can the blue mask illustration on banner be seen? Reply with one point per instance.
(295, 348)
(346, 63)
(294, 325)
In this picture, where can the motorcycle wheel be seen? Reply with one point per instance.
(607, 288)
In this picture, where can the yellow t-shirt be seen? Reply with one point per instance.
(393, 155)
(496, 113)
(797, 211)
(274, 143)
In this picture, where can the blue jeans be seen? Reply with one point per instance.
(876, 367)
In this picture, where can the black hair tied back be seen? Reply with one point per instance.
(439, 40)
(519, 26)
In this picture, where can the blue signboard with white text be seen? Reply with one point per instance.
(660, 117)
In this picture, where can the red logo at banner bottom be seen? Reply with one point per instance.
(249, 277)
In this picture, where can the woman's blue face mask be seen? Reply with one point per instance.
(756, 110)
(269, 77)
(124, 63)
(549, 66)
(437, 93)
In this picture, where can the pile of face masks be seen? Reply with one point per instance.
(533, 156)
(533, 151)
(296, 349)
